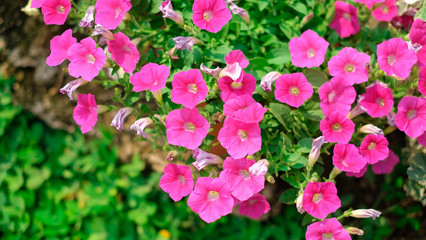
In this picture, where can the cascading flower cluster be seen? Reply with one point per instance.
(213, 185)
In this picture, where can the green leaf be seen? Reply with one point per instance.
(289, 196)
(282, 113)
(421, 13)
(315, 77)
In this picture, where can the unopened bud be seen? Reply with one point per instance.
(203, 159)
(365, 213)
(355, 231)
(270, 179)
(316, 150)
(214, 72)
(118, 120)
(391, 118)
(371, 129)
(240, 11)
(259, 168)
(268, 80)
(171, 156)
(356, 111)
(183, 43)
(88, 18)
(299, 204)
(140, 125)
(71, 87)
(99, 30)
(167, 9)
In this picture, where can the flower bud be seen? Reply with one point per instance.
(259, 168)
(270, 179)
(233, 71)
(88, 18)
(214, 72)
(391, 118)
(203, 159)
(118, 120)
(71, 87)
(167, 9)
(183, 43)
(299, 204)
(316, 150)
(171, 155)
(99, 30)
(140, 125)
(356, 111)
(240, 11)
(355, 231)
(268, 80)
(371, 129)
(365, 213)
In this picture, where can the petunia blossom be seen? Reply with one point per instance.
(189, 88)
(350, 64)
(239, 138)
(293, 89)
(210, 15)
(166, 8)
(377, 100)
(395, 58)
(152, 76)
(244, 108)
(320, 199)
(85, 59)
(418, 32)
(358, 174)
(386, 166)
(327, 229)
(308, 50)
(59, 46)
(36, 3)
(369, 3)
(374, 148)
(241, 182)
(337, 128)
(123, 52)
(211, 198)
(422, 139)
(55, 11)
(385, 11)
(411, 116)
(186, 127)
(231, 89)
(422, 81)
(255, 206)
(110, 13)
(236, 56)
(345, 20)
(85, 113)
(346, 157)
(336, 96)
(177, 181)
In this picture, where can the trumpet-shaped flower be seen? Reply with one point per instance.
(244, 108)
(211, 198)
(210, 15)
(293, 89)
(386, 166)
(59, 46)
(110, 13)
(186, 127)
(422, 139)
(308, 50)
(345, 20)
(346, 157)
(255, 206)
(385, 11)
(177, 181)
(36, 3)
(377, 100)
(85, 113)
(350, 64)
(152, 76)
(231, 89)
(241, 182)
(320, 199)
(358, 174)
(55, 11)
(411, 116)
(395, 58)
(374, 148)
(337, 128)
(369, 3)
(85, 59)
(336, 96)
(418, 32)
(422, 81)
(189, 88)
(327, 230)
(123, 52)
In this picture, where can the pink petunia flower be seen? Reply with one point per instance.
(203, 159)
(240, 138)
(244, 108)
(385, 11)
(152, 76)
(211, 198)
(422, 81)
(422, 139)
(395, 58)
(118, 120)
(336, 96)
(377, 100)
(337, 128)
(177, 181)
(55, 11)
(166, 8)
(36, 3)
(327, 230)
(140, 125)
(358, 174)
(186, 127)
(320, 199)
(241, 182)
(346, 157)
(308, 50)
(85, 59)
(345, 20)
(411, 116)
(293, 89)
(210, 15)
(189, 88)
(418, 32)
(231, 89)
(374, 148)
(85, 113)
(59, 46)
(369, 3)
(236, 56)
(350, 64)
(387, 165)
(70, 88)
(123, 52)
(255, 206)
(110, 13)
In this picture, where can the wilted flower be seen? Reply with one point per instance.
(167, 9)
(88, 18)
(118, 120)
(214, 72)
(240, 11)
(299, 204)
(391, 118)
(140, 125)
(203, 159)
(71, 87)
(183, 43)
(371, 129)
(99, 30)
(365, 213)
(232, 70)
(259, 168)
(268, 80)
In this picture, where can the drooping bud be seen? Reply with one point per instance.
(365, 213)
(203, 159)
(316, 150)
(183, 43)
(371, 129)
(259, 168)
(99, 30)
(355, 231)
(88, 18)
(232, 70)
(240, 11)
(72, 86)
(299, 204)
(391, 118)
(140, 125)
(171, 155)
(118, 120)
(214, 72)
(167, 9)
(356, 111)
(268, 80)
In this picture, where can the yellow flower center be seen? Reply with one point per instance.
(192, 88)
(372, 146)
(337, 127)
(189, 127)
(208, 15)
(327, 236)
(236, 85)
(213, 195)
(181, 179)
(90, 58)
(380, 102)
(242, 134)
(294, 90)
(317, 197)
(60, 9)
(311, 53)
(349, 68)
(245, 173)
(391, 59)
